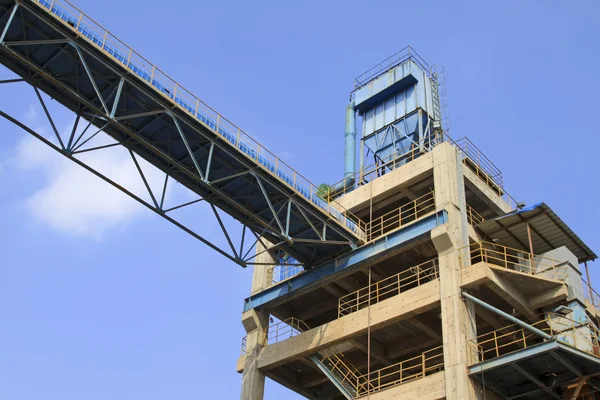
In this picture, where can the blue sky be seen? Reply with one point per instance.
(102, 299)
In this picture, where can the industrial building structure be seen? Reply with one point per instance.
(415, 276)
(458, 292)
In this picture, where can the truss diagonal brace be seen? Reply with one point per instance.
(266, 195)
(224, 231)
(117, 97)
(121, 188)
(90, 76)
(9, 22)
(187, 146)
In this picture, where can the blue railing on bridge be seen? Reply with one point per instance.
(246, 148)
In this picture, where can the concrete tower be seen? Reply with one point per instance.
(458, 292)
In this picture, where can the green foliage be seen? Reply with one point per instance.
(324, 191)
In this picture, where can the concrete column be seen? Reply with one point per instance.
(457, 316)
(263, 274)
(253, 380)
(256, 323)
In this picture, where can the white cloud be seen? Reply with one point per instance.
(73, 200)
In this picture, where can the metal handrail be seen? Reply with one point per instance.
(405, 54)
(388, 287)
(591, 294)
(428, 362)
(282, 330)
(91, 31)
(482, 166)
(346, 372)
(473, 158)
(401, 216)
(480, 159)
(473, 217)
(278, 331)
(513, 259)
(512, 338)
(391, 162)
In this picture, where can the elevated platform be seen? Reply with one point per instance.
(309, 280)
(537, 372)
(58, 49)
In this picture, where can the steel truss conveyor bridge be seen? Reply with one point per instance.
(59, 51)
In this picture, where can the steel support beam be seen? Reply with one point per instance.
(377, 249)
(531, 376)
(507, 316)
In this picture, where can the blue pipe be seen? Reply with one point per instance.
(349, 153)
(350, 137)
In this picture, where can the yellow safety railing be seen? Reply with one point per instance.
(418, 367)
(283, 330)
(473, 217)
(405, 371)
(401, 216)
(473, 158)
(481, 164)
(388, 287)
(342, 369)
(87, 29)
(279, 331)
(514, 259)
(590, 293)
(511, 338)
(384, 165)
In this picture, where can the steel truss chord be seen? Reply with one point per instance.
(106, 108)
(154, 206)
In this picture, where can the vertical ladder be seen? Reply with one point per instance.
(435, 97)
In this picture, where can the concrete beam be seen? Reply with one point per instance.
(384, 313)
(377, 350)
(485, 193)
(388, 185)
(490, 318)
(317, 309)
(375, 276)
(290, 381)
(550, 296)
(431, 388)
(486, 274)
(511, 295)
(425, 329)
(335, 291)
(414, 346)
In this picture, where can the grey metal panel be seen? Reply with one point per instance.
(548, 232)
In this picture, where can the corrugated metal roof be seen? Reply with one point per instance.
(548, 231)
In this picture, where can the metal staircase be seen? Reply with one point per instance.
(340, 372)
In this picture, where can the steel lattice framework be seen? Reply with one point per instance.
(51, 55)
